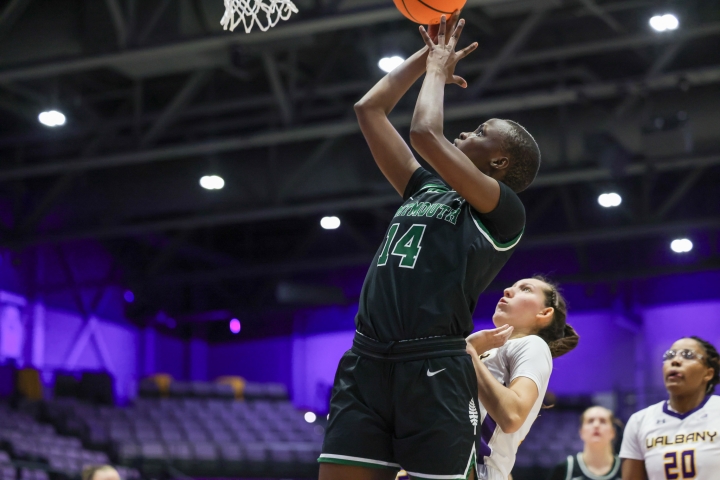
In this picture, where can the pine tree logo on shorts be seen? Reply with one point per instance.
(473, 416)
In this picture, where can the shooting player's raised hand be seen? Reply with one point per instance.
(442, 54)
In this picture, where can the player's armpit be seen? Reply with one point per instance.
(481, 191)
(388, 148)
(633, 469)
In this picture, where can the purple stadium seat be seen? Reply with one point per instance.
(525, 460)
(128, 451)
(281, 452)
(205, 451)
(220, 436)
(201, 389)
(180, 451)
(256, 452)
(231, 452)
(147, 434)
(7, 472)
(171, 436)
(245, 436)
(4, 457)
(221, 390)
(180, 389)
(197, 436)
(98, 458)
(153, 451)
(119, 435)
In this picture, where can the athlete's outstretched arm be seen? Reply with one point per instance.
(508, 406)
(426, 133)
(390, 151)
(633, 470)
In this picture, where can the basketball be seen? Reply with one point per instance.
(429, 11)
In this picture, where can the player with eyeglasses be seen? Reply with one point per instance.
(678, 439)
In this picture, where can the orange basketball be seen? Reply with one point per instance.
(426, 12)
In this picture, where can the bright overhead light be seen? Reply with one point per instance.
(608, 200)
(330, 223)
(52, 118)
(129, 296)
(663, 23)
(681, 245)
(388, 64)
(235, 326)
(310, 417)
(212, 182)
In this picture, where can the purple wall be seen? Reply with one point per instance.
(265, 360)
(601, 359)
(170, 356)
(314, 361)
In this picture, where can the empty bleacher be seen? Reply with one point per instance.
(199, 436)
(25, 441)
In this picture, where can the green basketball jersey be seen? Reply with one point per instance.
(438, 255)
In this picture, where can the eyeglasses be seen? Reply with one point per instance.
(685, 353)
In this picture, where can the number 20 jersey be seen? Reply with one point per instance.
(676, 446)
(437, 256)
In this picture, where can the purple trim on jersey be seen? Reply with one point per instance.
(486, 432)
(683, 416)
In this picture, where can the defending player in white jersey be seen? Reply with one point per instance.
(513, 377)
(678, 439)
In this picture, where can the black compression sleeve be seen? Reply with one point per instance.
(507, 220)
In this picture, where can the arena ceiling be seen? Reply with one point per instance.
(156, 95)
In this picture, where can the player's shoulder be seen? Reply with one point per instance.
(713, 402)
(648, 413)
(423, 181)
(528, 343)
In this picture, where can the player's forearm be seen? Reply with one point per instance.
(501, 403)
(427, 121)
(391, 88)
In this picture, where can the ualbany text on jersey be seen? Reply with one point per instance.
(694, 437)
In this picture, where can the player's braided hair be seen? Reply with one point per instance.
(712, 360)
(559, 335)
(524, 155)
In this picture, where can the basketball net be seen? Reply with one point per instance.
(266, 13)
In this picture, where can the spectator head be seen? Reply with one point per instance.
(100, 472)
(597, 427)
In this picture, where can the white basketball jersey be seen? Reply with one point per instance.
(522, 357)
(676, 446)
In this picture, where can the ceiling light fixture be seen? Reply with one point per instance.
(330, 223)
(52, 118)
(681, 245)
(609, 200)
(212, 182)
(663, 23)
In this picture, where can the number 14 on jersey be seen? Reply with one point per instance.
(407, 247)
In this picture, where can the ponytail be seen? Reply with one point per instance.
(563, 345)
(559, 335)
